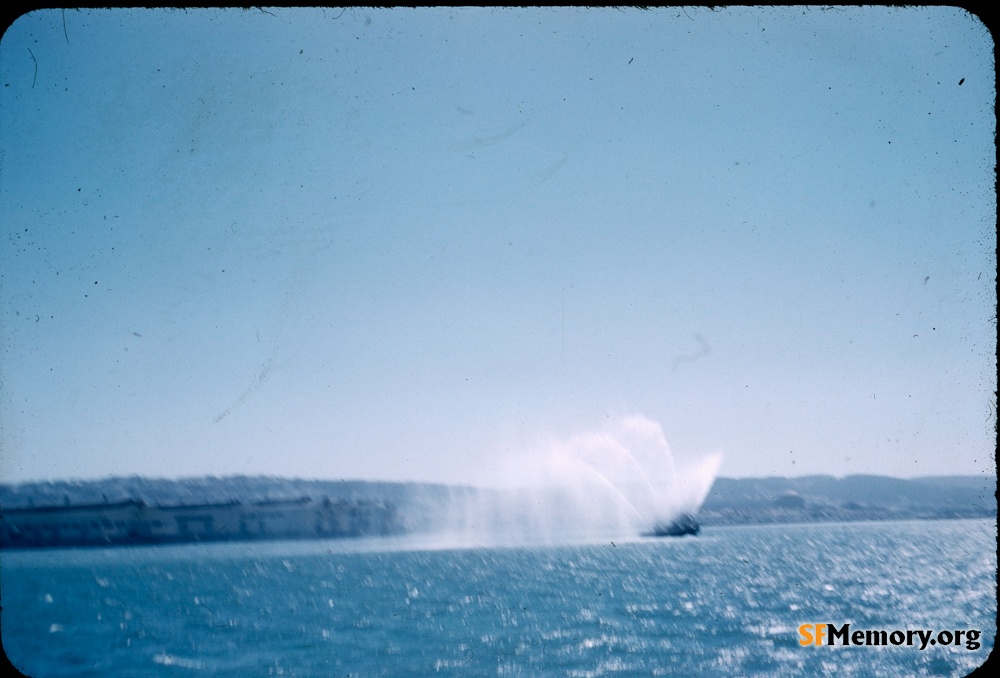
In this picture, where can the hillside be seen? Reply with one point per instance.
(856, 497)
(424, 507)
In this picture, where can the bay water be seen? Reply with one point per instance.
(732, 601)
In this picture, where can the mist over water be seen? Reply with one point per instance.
(616, 481)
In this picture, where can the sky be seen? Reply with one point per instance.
(418, 244)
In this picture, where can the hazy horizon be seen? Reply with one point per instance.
(466, 245)
(457, 485)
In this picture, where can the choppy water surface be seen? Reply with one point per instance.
(726, 603)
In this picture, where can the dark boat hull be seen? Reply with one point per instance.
(682, 525)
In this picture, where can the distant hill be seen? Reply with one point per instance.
(197, 490)
(855, 497)
(422, 506)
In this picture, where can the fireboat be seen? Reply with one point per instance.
(680, 526)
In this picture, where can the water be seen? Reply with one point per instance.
(620, 478)
(729, 602)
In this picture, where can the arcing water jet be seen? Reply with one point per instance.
(618, 480)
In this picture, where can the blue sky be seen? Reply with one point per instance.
(416, 244)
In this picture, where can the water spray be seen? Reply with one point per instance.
(616, 481)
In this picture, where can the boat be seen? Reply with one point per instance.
(680, 526)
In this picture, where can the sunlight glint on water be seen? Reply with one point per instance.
(726, 603)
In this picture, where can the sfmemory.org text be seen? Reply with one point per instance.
(829, 634)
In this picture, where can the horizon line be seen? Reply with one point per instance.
(263, 476)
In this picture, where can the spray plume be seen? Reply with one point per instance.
(619, 480)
